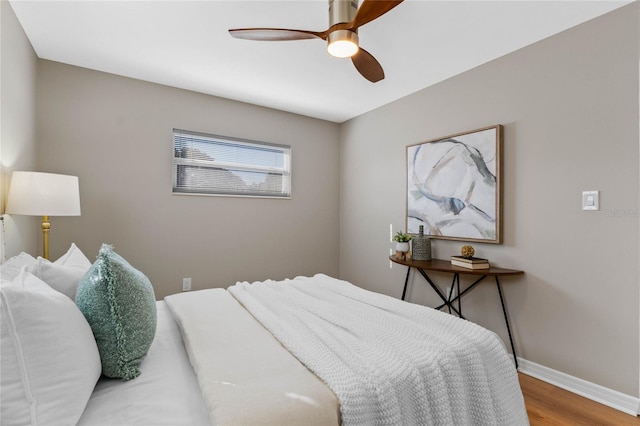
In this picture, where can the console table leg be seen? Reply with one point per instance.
(506, 320)
(458, 291)
(443, 296)
(406, 281)
(450, 295)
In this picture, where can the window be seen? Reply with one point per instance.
(218, 165)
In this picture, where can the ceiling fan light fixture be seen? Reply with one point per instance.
(342, 43)
(345, 18)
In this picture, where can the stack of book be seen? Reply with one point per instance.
(470, 262)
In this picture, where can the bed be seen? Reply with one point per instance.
(303, 351)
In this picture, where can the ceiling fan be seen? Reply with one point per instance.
(342, 36)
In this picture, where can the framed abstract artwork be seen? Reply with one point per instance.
(454, 186)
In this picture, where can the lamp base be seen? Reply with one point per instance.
(46, 226)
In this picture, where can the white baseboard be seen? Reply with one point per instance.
(609, 397)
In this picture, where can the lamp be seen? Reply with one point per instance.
(43, 194)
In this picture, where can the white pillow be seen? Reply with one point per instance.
(65, 273)
(49, 360)
(11, 268)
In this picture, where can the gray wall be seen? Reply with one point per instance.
(569, 106)
(115, 134)
(18, 124)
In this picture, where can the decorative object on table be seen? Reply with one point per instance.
(421, 246)
(454, 186)
(467, 251)
(402, 245)
(470, 262)
(43, 194)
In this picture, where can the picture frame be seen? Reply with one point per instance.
(454, 186)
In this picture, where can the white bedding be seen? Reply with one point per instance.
(246, 376)
(166, 393)
(389, 362)
(217, 365)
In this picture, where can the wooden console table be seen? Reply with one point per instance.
(437, 265)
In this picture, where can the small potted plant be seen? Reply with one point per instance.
(402, 241)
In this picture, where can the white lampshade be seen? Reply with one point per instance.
(43, 194)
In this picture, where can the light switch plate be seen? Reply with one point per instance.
(590, 200)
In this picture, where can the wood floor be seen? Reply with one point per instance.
(550, 405)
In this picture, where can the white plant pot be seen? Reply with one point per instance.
(403, 247)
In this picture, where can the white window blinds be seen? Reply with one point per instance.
(218, 165)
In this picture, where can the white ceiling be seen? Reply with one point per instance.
(185, 44)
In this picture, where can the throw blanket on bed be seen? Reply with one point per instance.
(389, 362)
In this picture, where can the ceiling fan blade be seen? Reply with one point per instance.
(274, 34)
(372, 9)
(368, 66)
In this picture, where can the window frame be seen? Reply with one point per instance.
(285, 171)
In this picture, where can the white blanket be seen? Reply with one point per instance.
(389, 362)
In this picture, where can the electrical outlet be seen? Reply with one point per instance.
(186, 284)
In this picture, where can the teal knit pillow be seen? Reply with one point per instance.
(119, 304)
